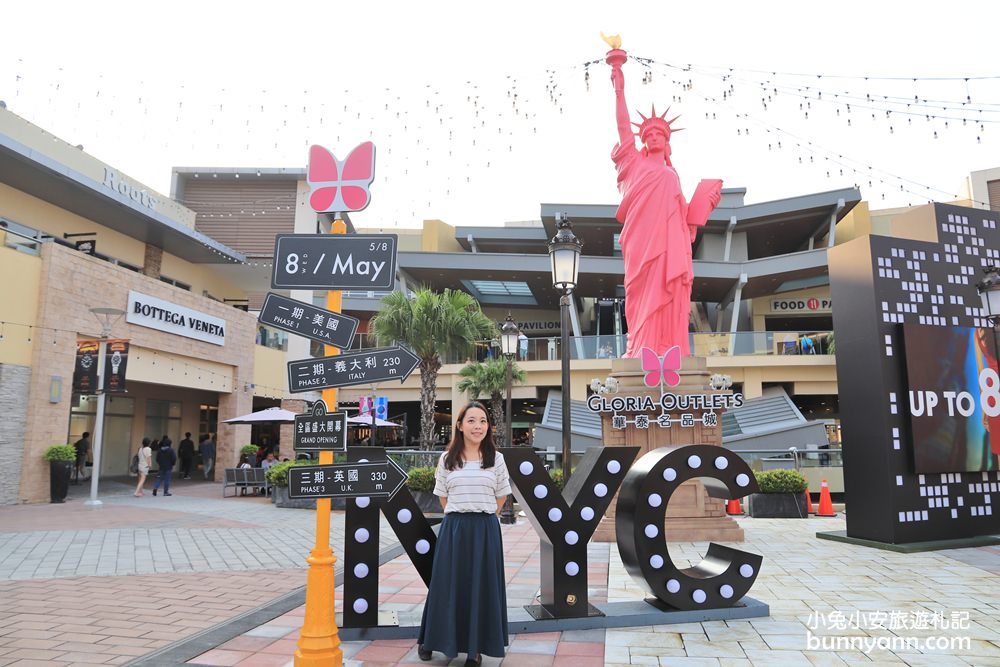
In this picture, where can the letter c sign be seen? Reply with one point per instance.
(726, 574)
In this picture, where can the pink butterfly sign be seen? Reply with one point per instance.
(661, 370)
(340, 186)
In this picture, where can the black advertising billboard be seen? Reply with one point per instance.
(115, 364)
(85, 370)
(953, 398)
(909, 317)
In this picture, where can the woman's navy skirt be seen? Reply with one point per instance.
(466, 608)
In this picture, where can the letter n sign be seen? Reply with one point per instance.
(361, 544)
(566, 521)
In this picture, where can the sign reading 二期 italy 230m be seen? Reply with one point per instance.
(309, 321)
(380, 479)
(345, 370)
(334, 261)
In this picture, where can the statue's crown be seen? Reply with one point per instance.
(654, 122)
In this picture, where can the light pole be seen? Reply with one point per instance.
(509, 334)
(564, 251)
(107, 317)
(989, 294)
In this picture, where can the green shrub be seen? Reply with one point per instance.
(60, 453)
(249, 449)
(277, 475)
(781, 481)
(557, 476)
(422, 479)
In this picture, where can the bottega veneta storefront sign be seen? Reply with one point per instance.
(114, 181)
(148, 311)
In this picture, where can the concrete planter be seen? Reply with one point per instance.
(428, 502)
(59, 476)
(281, 499)
(778, 506)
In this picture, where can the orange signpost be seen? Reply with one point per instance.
(319, 643)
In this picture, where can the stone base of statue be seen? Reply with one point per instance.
(693, 515)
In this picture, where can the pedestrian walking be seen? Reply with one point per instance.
(166, 457)
(82, 446)
(207, 451)
(143, 460)
(466, 608)
(185, 451)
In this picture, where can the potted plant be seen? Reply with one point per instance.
(421, 483)
(251, 453)
(61, 459)
(277, 477)
(782, 495)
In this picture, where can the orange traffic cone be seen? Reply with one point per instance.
(733, 507)
(809, 503)
(825, 502)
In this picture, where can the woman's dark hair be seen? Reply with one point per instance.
(453, 455)
(145, 442)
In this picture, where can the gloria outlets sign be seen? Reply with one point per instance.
(148, 311)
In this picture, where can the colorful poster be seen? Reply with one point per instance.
(85, 370)
(115, 363)
(954, 398)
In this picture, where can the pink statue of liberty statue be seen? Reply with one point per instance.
(660, 226)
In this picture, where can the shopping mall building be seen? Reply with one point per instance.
(79, 234)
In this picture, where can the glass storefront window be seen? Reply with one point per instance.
(163, 418)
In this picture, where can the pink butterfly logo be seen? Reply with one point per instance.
(340, 186)
(661, 370)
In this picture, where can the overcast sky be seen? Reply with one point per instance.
(480, 112)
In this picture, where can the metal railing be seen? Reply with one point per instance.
(757, 459)
(741, 343)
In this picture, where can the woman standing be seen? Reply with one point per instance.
(466, 608)
(145, 455)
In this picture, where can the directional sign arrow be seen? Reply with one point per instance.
(305, 319)
(346, 480)
(352, 368)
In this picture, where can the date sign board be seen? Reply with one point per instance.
(352, 368)
(380, 479)
(308, 321)
(334, 261)
(320, 431)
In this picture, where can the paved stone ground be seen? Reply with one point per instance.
(803, 579)
(81, 585)
(85, 586)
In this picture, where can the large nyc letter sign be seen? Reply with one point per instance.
(565, 523)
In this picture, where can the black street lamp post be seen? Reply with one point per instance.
(564, 250)
(508, 345)
(989, 293)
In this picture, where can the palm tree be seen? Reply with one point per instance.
(490, 378)
(433, 325)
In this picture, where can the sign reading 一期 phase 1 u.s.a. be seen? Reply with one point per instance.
(334, 261)
(353, 368)
(320, 432)
(303, 319)
(380, 479)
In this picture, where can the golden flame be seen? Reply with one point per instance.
(615, 41)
